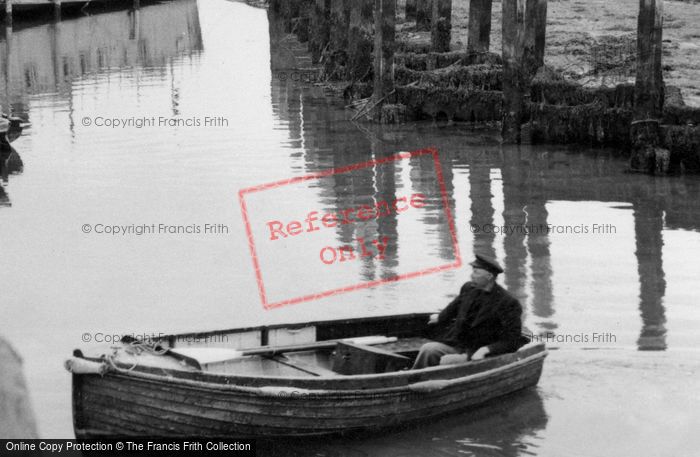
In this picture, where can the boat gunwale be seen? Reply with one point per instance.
(219, 381)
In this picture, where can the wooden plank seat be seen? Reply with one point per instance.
(350, 359)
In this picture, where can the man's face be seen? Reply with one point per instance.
(481, 278)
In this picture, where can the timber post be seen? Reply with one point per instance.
(648, 92)
(384, 46)
(410, 10)
(479, 38)
(524, 29)
(401, 11)
(360, 39)
(8, 11)
(301, 27)
(441, 25)
(56, 10)
(319, 29)
(424, 12)
(335, 59)
(534, 38)
(513, 17)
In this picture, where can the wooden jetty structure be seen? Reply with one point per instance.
(315, 378)
(533, 104)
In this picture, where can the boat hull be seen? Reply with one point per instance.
(143, 404)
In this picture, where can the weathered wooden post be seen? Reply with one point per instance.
(648, 91)
(319, 30)
(424, 12)
(524, 30)
(8, 11)
(410, 10)
(441, 25)
(534, 38)
(336, 52)
(401, 11)
(513, 18)
(302, 21)
(57, 10)
(360, 39)
(479, 33)
(384, 45)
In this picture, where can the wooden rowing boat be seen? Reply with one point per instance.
(314, 378)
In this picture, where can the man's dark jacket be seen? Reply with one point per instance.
(479, 318)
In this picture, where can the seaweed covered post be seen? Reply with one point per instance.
(647, 155)
(319, 29)
(360, 40)
(424, 12)
(384, 45)
(479, 38)
(441, 25)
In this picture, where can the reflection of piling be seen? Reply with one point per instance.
(424, 12)
(482, 209)
(514, 219)
(479, 38)
(524, 29)
(649, 91)
(538, 245)
(441, 25)
(16, 419)
(648, 226)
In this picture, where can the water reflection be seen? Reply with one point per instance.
(506, 428)
(10, 164)
(49, 58)
(530, 179)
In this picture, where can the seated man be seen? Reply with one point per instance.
(484, 320)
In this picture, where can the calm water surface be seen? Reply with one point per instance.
(632, 281)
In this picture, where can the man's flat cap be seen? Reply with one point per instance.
(487, 263)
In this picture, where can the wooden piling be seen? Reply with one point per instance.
(384, 44)
(424, 12)
(479, 33)
(360, 39)
(410, 10)
(648, 91)
(524, 30)
(401, 11)
(441, 25)
(513, 19)
(319, 29)
(8, 11)
(534, 37)
(56, 10)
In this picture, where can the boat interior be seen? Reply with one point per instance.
(317, 349)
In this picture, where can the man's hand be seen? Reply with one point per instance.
(433, 319)
(480, 353)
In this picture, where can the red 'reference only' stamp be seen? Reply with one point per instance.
(302, 253)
